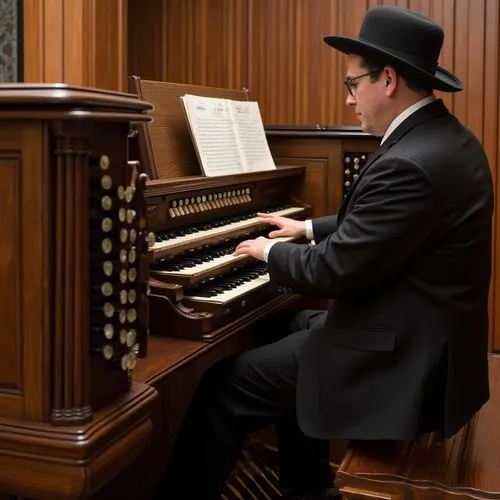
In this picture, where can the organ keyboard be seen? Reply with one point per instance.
(197, 287)
(194, 274)
(173, 242)
(195, 266)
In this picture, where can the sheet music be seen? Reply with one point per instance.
(251, 137)
(214, 135)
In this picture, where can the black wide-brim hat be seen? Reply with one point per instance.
(408, 40)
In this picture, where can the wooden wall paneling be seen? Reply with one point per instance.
(442, 11)
(33, 48)
(108, 23)
(268, 59)
(180, 50)
(350, 15)
(234, 46)
(147, 40)
(461, 62)
(318, 97)
(476, 67)
(81, 42)
(207, 42)
(53, 45)
(219, 43)
(448, 53)
(257, 49)
(206, 62)
(270, 32)
(43, 56)
(78, 42)
(285, 65)
(491, 127)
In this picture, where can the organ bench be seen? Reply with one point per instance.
(463, 467)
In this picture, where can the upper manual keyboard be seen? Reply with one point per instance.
(176, 241)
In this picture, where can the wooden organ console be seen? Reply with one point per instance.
(198, 290)
(74, 270)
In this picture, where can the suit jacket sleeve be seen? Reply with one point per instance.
(389, 219)
(324, 226)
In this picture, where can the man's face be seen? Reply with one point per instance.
(368, 96)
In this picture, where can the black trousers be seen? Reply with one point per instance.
(242, 394)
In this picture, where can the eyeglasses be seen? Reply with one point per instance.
(351, 83)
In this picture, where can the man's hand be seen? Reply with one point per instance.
(286, 226)
(255, 248)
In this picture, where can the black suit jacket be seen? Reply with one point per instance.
(407, 261)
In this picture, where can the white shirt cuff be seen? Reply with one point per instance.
(309, 229)
(267, 248)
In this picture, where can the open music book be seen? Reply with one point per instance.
(228, 135)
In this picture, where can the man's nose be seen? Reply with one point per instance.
(350, 100)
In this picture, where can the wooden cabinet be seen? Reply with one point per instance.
(332, 156)
(70, 417)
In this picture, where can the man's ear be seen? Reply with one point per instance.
(390, 77)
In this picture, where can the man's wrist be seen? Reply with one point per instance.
(309, 229)
(267, 249)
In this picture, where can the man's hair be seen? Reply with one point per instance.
(376, 65)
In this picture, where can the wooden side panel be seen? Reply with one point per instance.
(23, 269)
(10, 369)
(323, 187)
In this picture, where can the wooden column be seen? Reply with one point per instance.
(71, 400)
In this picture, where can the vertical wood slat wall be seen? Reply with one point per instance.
(275, 49)
(80, 42)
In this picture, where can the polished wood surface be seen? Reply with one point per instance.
(466, 466)
(68, 415)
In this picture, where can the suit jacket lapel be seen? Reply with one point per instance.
(422, 115)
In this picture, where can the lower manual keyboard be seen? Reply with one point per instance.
(231, 287)
(187, 270)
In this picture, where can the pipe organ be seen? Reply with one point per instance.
(102, 316)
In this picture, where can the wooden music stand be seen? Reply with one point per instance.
(166, 148)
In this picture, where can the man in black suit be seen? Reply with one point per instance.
(402, 348)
